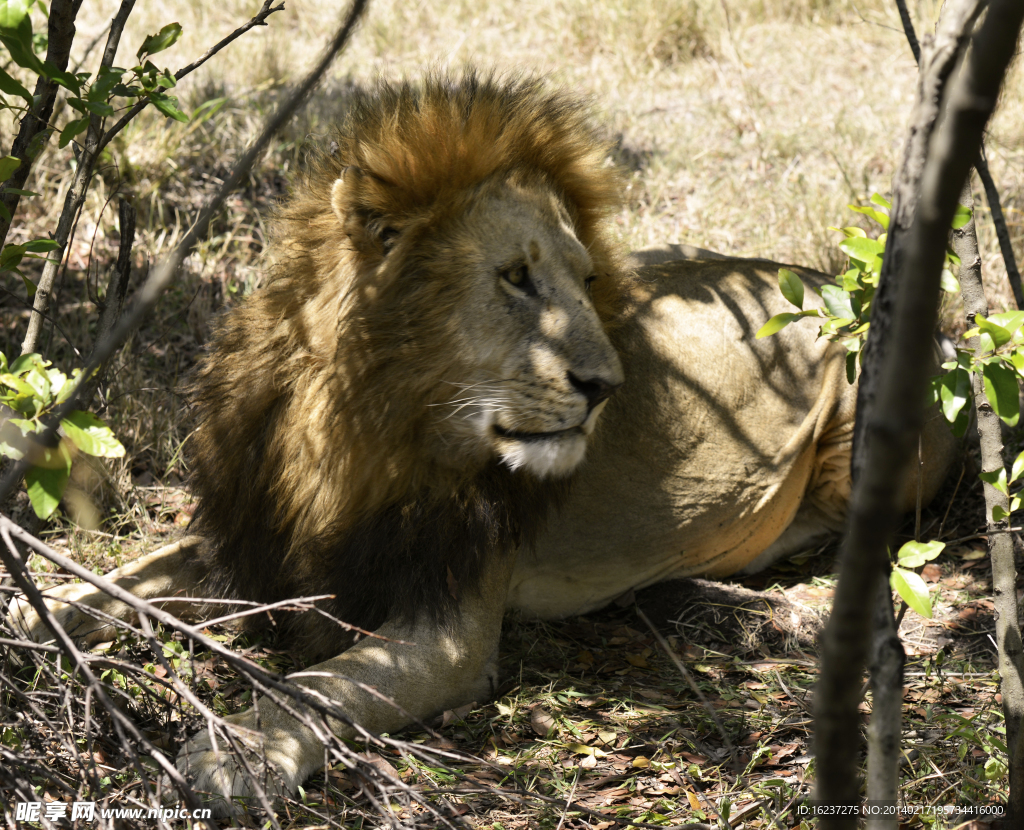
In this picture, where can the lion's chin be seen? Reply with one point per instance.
(552, 457)
(547, 455)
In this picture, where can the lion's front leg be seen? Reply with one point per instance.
(166, 572)
(423, 668)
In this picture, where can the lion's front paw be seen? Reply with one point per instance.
(226, 784)
(82, 626)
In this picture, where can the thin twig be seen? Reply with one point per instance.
(260, 19)
(689, 679)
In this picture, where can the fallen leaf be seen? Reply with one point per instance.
(541, 721)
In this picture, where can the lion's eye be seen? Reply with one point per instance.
(388, 238)
(589, 281)
(519, 276)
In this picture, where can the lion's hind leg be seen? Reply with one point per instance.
(168, 572)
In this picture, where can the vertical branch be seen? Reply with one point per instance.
(945, 49)
(884, 733)
(1000, 544)
(981, 165)
(1002, 233)
(76, 194)
(891, 414)
(117, 290)
(34, 131)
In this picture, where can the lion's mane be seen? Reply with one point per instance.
(307, 462)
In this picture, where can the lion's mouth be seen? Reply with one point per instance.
(584, 429)
(516, 435)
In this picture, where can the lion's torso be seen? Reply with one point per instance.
(703, 459)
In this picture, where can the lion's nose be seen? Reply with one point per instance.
(594, 390)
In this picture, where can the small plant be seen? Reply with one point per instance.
(906, 582)
(847, 304)
(30, 390)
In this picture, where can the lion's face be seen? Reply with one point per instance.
(536, 366)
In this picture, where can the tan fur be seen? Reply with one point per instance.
(401, 362)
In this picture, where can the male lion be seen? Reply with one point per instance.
(407, 415)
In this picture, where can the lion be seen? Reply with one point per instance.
(454, 397)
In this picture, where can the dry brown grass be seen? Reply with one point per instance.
(747, 127)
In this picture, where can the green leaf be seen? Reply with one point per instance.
(949, 283)
(1010, 320)
(8, 164)
(163, 39)
(791, 287)
(878, 200)
(65, 79)
(837, 301)
(46, 484)
(997, 478)
(851, 367)
(168, 105)
(959, 426)
(850, 280)
(995, 769)
(9, 86)
(11, 451)
(881, 218)
(109, 78)
(13, 12)
(912, 590)
(1018, 468)
(18, 40)
(998, 334)
(915, 554)
(38, 246)
(11, 256)
(998, 513)
(861, 249)
(26, 362)
(776, 324)
(962, 216)
(954, 392)
(1001, 390)
(101, 108)
(854, 231)
(71, 129)
(91, 435)
(30, 287)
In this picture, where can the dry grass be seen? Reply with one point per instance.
(747, 127)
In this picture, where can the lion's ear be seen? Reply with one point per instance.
(338, 193)
(368, 229)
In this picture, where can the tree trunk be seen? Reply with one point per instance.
(34, 131)
(1000, 543)
(891, 407)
